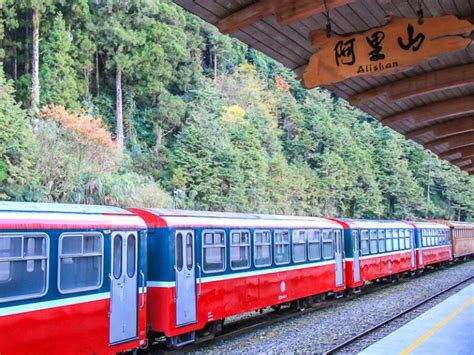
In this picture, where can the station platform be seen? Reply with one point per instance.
(447, 328)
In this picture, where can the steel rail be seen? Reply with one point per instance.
(239, 327)
(396, 316)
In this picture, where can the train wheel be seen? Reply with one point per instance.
(276, 307)
(218, 327)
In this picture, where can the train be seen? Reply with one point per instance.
(89, 279)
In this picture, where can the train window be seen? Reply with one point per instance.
(5, 271)
(282, 247)
(314, 245)
(23, 266)
(407, 238)
(81, 261)
(299, 246)
(446, 237)
(262, 248)
(423, 237)
(328, 244)
(179, 252)
(373, 242)
(395, 243)
(381, 239)
(364, 242)
(131, 255)
(213, 251)
(189, 251)
(239, 250)
(402, 239)
(389, 239)
(116, 257)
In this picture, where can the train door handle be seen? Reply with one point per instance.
(176, 284)
(200, 279)
(142, 304)
(111, 291)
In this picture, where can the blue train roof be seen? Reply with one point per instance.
(364, 220)
(372, 223)
(6, 206)
(165, 212)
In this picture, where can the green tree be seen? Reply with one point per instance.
(59, 83)
(16, 141)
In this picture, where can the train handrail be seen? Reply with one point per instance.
(200, 279)
(111, 292)
(176, 284)
(142, 304)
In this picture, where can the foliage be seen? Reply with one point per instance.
(59, 84)
(88, 129)
(16, 141)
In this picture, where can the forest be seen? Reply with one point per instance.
(139, 103)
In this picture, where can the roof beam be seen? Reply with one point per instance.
(452, 142)
(469, 167)
(246, 16)
(445, 129)
(285, 11)
(461, 162)
(427, 83)
(289, 11)
(428, 113)
(463, 159)
(458, 153)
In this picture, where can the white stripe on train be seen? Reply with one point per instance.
(275, 270)
(244, 274)
(38, 306)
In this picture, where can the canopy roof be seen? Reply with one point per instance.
(431, 102)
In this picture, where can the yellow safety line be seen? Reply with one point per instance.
(437, 327)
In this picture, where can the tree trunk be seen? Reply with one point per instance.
(35, 85)
(15, 64)
(87, 79)
(97, 73)
(27, 55)
(159, 139)
(119, 112)
(215, 66)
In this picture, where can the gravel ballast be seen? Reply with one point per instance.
(321, 330)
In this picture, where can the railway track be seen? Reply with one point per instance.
(365, 333)
(244, 326)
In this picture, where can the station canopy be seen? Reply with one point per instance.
(409, 64)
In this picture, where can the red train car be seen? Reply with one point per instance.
(376, 249)
(433, 244)
(205, 267)
(72, 279)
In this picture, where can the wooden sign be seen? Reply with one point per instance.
(399, 44)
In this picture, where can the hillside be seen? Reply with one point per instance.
(140, 103)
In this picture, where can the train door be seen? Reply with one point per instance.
(413, 248)
(355, 262)
(338, 257)
(124, 287)
(185, 278)
(420, 247)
